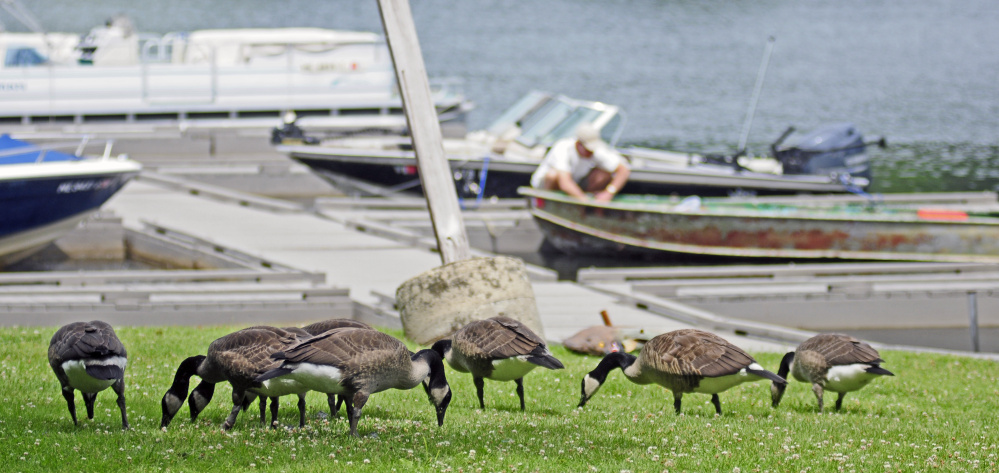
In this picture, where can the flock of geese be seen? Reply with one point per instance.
(350, 361)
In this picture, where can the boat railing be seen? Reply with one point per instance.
(76, 149)
(447, 87)
(158, 49)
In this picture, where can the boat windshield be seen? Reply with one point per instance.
(540, 124)
(567, 127)
(612, 130)
(519, 112)
(14, 151)
(23, 57)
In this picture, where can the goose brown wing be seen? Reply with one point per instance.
(345, 347)
(330, 324)
(694, 352)
(839, 349)
(496, 338)
(83, 340)
(286, 335)
(247, 353)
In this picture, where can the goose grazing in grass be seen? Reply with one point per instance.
(683, 361)
(831, 362)
(498, 348)
(324, 326)
(87, 356)
(356, 363)
(302, 335)
(238, 358)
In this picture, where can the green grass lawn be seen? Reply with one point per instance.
(938, 413)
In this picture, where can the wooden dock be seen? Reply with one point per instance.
(345, 257)
(367, 258)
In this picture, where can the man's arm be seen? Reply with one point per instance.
(618, 180)
(568, 185)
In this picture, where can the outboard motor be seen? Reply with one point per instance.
(291, 133)
(831, 149)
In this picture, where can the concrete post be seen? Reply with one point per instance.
(438, 302)
(435, 304)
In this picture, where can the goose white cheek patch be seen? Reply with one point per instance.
(438, 394)
(590, 386)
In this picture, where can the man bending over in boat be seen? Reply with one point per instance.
(582, 165)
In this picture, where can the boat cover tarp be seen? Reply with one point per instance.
(31, 152)
(830, 137)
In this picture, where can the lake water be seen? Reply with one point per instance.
(922, 73)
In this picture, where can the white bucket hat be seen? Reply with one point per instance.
(590, 137)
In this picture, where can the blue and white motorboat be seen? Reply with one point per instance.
(45, 193)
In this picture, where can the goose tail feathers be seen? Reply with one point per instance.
(105, 371)
(546, 361)
(274, 373)
(879, 370)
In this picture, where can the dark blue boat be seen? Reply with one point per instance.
(45, 193)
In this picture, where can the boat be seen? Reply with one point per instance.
(45, 193)
(495, 161)
(780, 229)
(117, 79)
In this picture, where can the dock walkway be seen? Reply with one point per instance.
(370, 266)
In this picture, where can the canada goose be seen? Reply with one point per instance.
(498, 348)
(326, 325)
(202, 394)
(833, 362)
(356, 363)
(238, 358)
(89, 357)
(683, 361)
(302, 335)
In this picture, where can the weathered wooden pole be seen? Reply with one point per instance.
(973, 319)
(425, 129)
(434, 304)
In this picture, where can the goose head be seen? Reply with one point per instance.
(435, 385)
(174, 397)
(777, 389)
(594, 379)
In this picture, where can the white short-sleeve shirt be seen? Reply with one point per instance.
(564, 157)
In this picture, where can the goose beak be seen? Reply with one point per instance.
(442, 408)
(776, 393)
